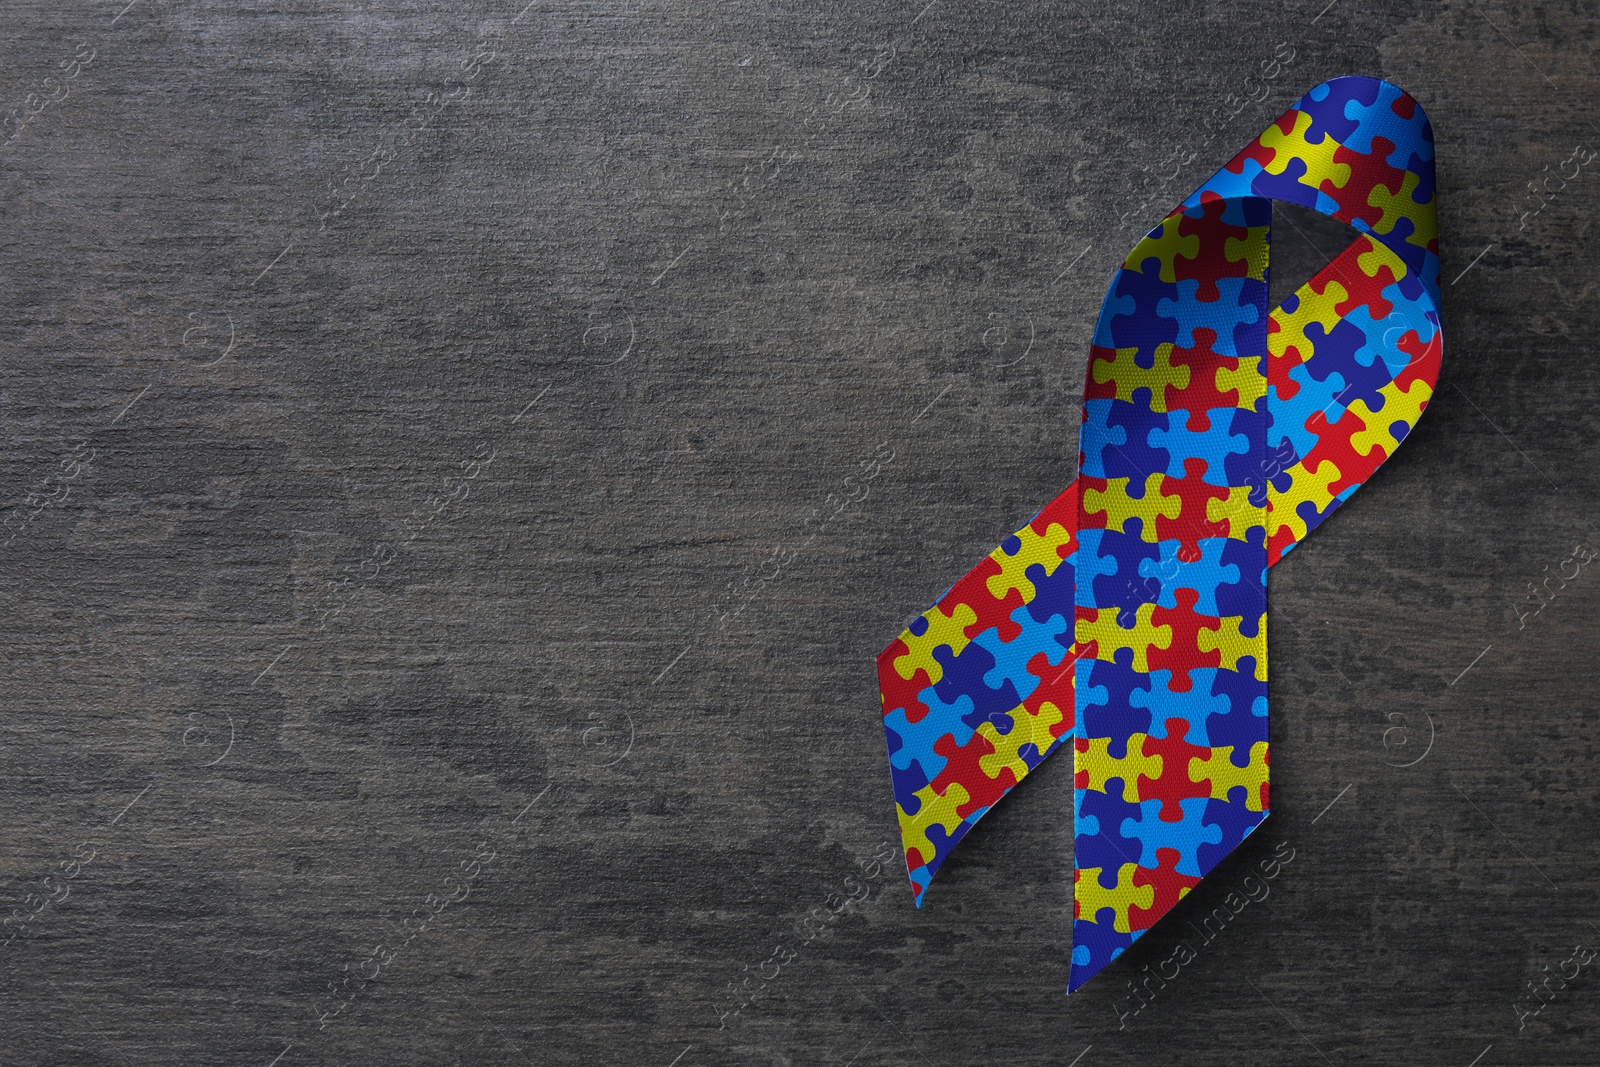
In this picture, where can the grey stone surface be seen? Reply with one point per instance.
(431, 634)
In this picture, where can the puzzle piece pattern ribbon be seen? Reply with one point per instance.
(1130, 614)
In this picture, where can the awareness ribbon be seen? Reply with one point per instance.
(1215, 435)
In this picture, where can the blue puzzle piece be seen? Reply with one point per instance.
(1185, 835)
(1249, 332)
(1093, 566)
(1421, 263)
(913, 763)
(1242, 302)
(1203, 575)
(1211, 445)
(906, 774)
(1246, 468)
(1423, 193)
(1099, 438)
(1272, 471)
(1114, 307)
(1407, 301)
(1194, 707)
(1289, 417)
(944, 842)
(916, 739)
(1343, 351)
(1289, 186)
(1374, 118)
(1053, 594)
(1089, 694)
(1137, 457)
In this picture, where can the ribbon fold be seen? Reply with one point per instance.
(1215, 436)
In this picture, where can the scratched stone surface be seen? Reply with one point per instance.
(461, 462)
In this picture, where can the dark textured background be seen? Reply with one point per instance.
(428, 528)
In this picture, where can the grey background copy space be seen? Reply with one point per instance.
(438, 626)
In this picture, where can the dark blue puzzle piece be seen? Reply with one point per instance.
(1247, 597)
(1144, 329)
(1337, 353)
(964, 676)
(1134, 459)
(1099, 841)
(1117, 717)
(1245, 721)
(1236, 821)
(1328, 114)
(1095, 944)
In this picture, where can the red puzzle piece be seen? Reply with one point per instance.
(1191, 524)
(1174, 785)
(1169, 886)
(1201, 394)
(1184, 653)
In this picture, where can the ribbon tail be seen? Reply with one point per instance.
(977, 692)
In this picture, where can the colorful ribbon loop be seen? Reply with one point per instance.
(1215, 436)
